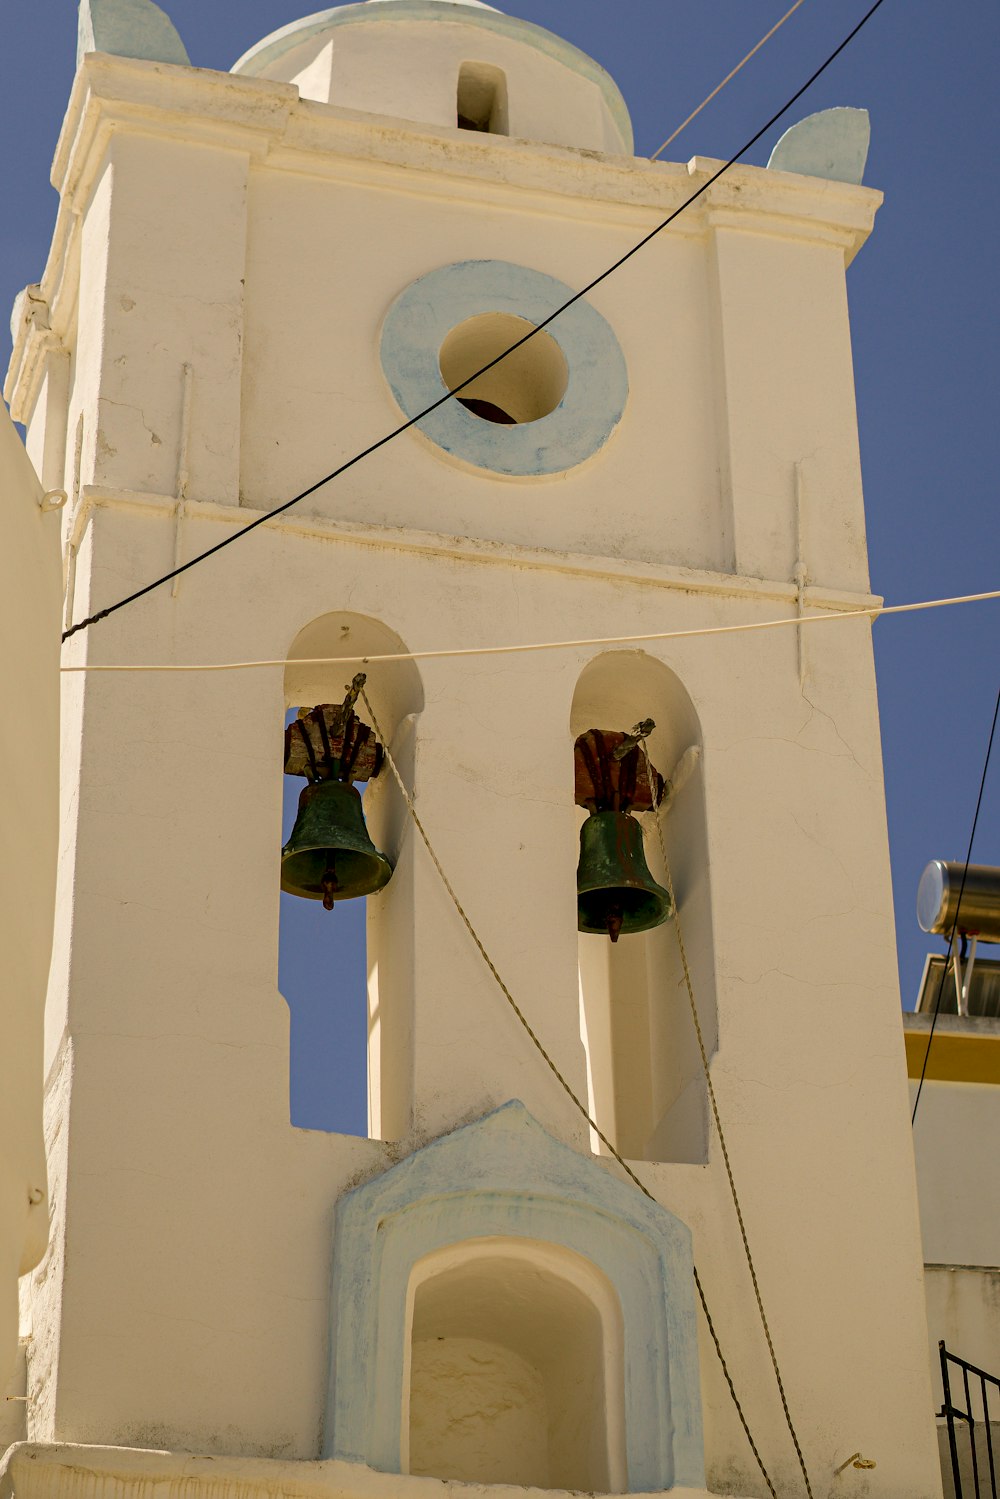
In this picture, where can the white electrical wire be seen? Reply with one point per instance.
(872, 612)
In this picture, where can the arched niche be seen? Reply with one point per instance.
(499, 1240)
(514, 1368)
(314, 674)
(647, 1086)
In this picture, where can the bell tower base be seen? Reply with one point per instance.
(63, 1470)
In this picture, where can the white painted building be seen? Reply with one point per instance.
(253, 276)
(958, 1181)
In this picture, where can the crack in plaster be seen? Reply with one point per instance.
(833, 916)
(795, 742)
(817, 842)
(797, 978)
(110, 1171)
(195, 1036)
(155, 439)
(792, 1086)
(833, 724)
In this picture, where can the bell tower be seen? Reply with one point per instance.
(254, 276)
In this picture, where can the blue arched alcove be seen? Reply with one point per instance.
(504, 1180)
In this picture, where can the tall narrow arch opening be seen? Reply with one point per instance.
(645, 1077)
(514, 1370)
(345, 973)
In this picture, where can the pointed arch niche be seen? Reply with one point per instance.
(646, 1082)
(384, 925)
(505, 1311)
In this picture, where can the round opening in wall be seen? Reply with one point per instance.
(540, 411)
(524, 387)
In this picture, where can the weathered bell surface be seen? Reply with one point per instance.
(329, 856)
(615, 891)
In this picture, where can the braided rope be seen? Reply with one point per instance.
(566, 1087)
(715, 1112)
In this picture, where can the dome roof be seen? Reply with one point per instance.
(479, 4)
(546, 74)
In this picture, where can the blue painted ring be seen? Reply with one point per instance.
(423, 315)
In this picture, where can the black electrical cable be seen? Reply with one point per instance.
(405, 427)
(958, 909)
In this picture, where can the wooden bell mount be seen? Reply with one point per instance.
(615, 891)
(611, 772)
(329, 855)
(330, 743)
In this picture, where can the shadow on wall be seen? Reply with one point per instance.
(646, 1082)
(350, 1022)
(515, 1368)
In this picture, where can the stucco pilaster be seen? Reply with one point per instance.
(173, 296)
(785, 397)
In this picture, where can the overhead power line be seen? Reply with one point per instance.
(958, 909)
(728, 79)
(793, 621)
(374, 447)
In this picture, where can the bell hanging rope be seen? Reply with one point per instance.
(615, 891)
(329, 856)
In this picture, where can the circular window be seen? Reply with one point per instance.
(524, 387)
(546, 407)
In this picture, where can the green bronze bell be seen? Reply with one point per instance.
(615, 891)
(329, 856)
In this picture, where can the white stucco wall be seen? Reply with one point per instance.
(958, 1183)
(258, 240)
(958, 1172)
(30, 595)
(963, 1311)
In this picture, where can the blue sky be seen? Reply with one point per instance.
(923, 293)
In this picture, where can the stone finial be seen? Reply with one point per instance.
(128, 28)
(831, 144)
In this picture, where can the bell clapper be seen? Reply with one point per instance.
(615, 918)
(329, 885)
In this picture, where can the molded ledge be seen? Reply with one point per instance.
(267, 119)
(39, 1470)
(966, 1048)
(497, 554)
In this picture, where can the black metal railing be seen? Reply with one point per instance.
(973, 1467)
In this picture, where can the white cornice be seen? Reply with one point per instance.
(269, 123)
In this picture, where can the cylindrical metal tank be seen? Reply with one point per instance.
(938, 894)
